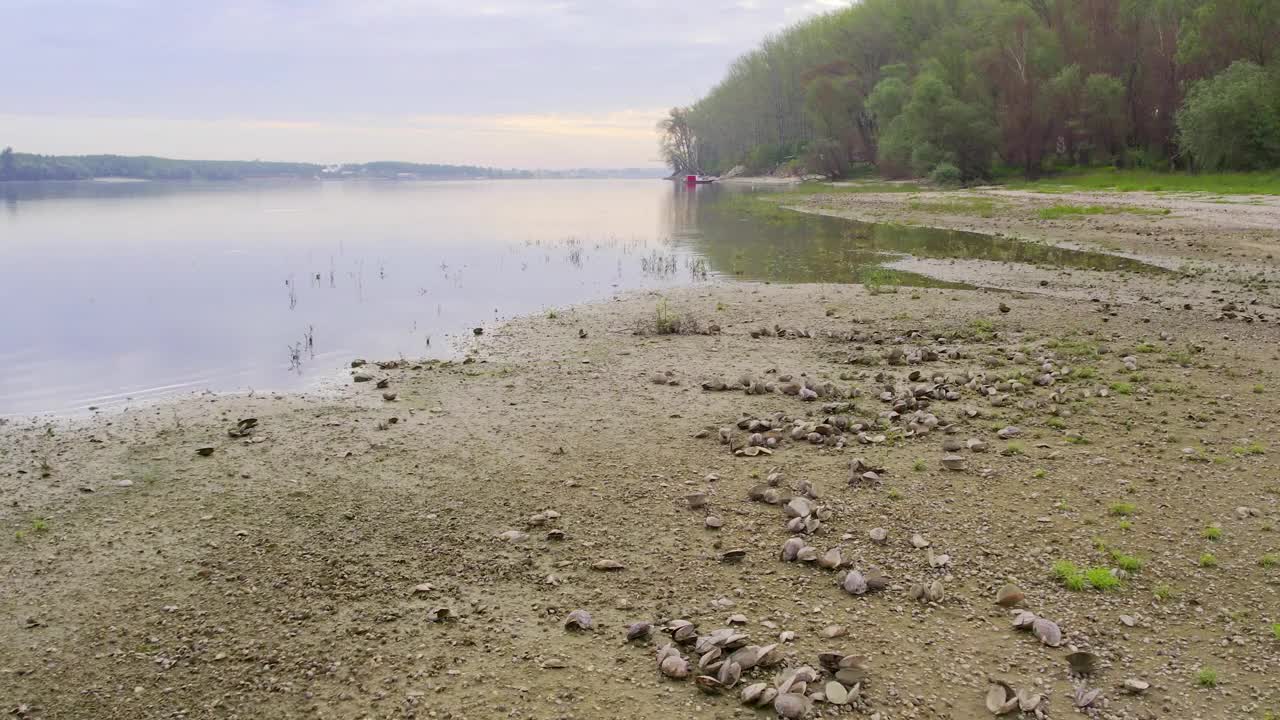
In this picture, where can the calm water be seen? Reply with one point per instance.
(115, 292)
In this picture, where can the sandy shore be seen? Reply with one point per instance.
(296, 571)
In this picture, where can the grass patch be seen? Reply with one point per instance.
(1123, 509)
(1254, 448)
(1254, 183)
(1061, 211)
(552, 314)
(894, 494)
(1207, 560)
(969, 206)
(919, 465)
(667, 321)
(1213, 532)
(1013, 448)
(1122, 388)
(1269, 560)
(1128, 563)
(1163, 593)
(1207, 677)
(1275, 631)
(1101, 578)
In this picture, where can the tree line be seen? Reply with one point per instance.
(957, 88)
(27, 166)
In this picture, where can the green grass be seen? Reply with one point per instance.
(1125, 525)
(1255, 183)
(894, 494)
(1100, 578)
(1013, 448)
(1269, 560)
(1128, 563)
(857, 188)
(1060, 211)
(1275, 630)
(552, 314)
(39, 525)
(1207, 560)
(1162, 593)
(1123, 509)
(966, 206)
(1084, 373)
(919, 465)
(1254, 448)
(1213, 532)
(1122, 388)
(1207, 677)
(666, 320)
(1039, 473)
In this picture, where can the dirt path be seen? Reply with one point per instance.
(294, 572)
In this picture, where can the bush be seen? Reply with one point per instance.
(946, 175)
(1231, 121)
(826, 157)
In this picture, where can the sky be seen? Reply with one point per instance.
(505, 83)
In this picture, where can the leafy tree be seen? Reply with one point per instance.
(679, 145)
(6, 164)
(1232, 120)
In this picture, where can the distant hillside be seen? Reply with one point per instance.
(27, 166)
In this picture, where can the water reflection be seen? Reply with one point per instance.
(131, 290)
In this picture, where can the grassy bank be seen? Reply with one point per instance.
(1108, 179)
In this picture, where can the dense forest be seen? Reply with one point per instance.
(26, 166)
(960, 89)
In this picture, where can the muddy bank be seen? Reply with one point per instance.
(296, 571)
(1238, 233)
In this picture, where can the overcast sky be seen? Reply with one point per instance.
(512, 83)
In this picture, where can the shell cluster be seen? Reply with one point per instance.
(719, 661)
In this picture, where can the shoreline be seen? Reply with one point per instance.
(321, 543)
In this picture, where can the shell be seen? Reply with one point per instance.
(578, 620)
(730, 673)
(854, 583)
(1047, 631)
(1009, 596)
(935, 592)
(732, 556)
(836, 693)
(639, 630)
(696, 500)
(674, 667)
(713, 522)
(878, 535)
(685, 634)
(807, 554)
(953, 462)
(851, 675)
(830, 660)
(1028, 701)
(791, 549)
(798, 508)
(667, 651)
(831, 559)
(1024, 620)
(767, 697)
(1082, 663)
(1001, 700)
(1085, 697)
(607, 565)
(791, 706)
(708, 684)
(751, 693)
(709, 658)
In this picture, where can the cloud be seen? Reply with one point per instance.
(545, 68)
(615, 139)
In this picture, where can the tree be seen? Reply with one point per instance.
(1104, 113)
(1232, 120)
(6, 164)
(1220, 31)
(679, 145)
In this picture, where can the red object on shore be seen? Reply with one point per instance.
(690, 180)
